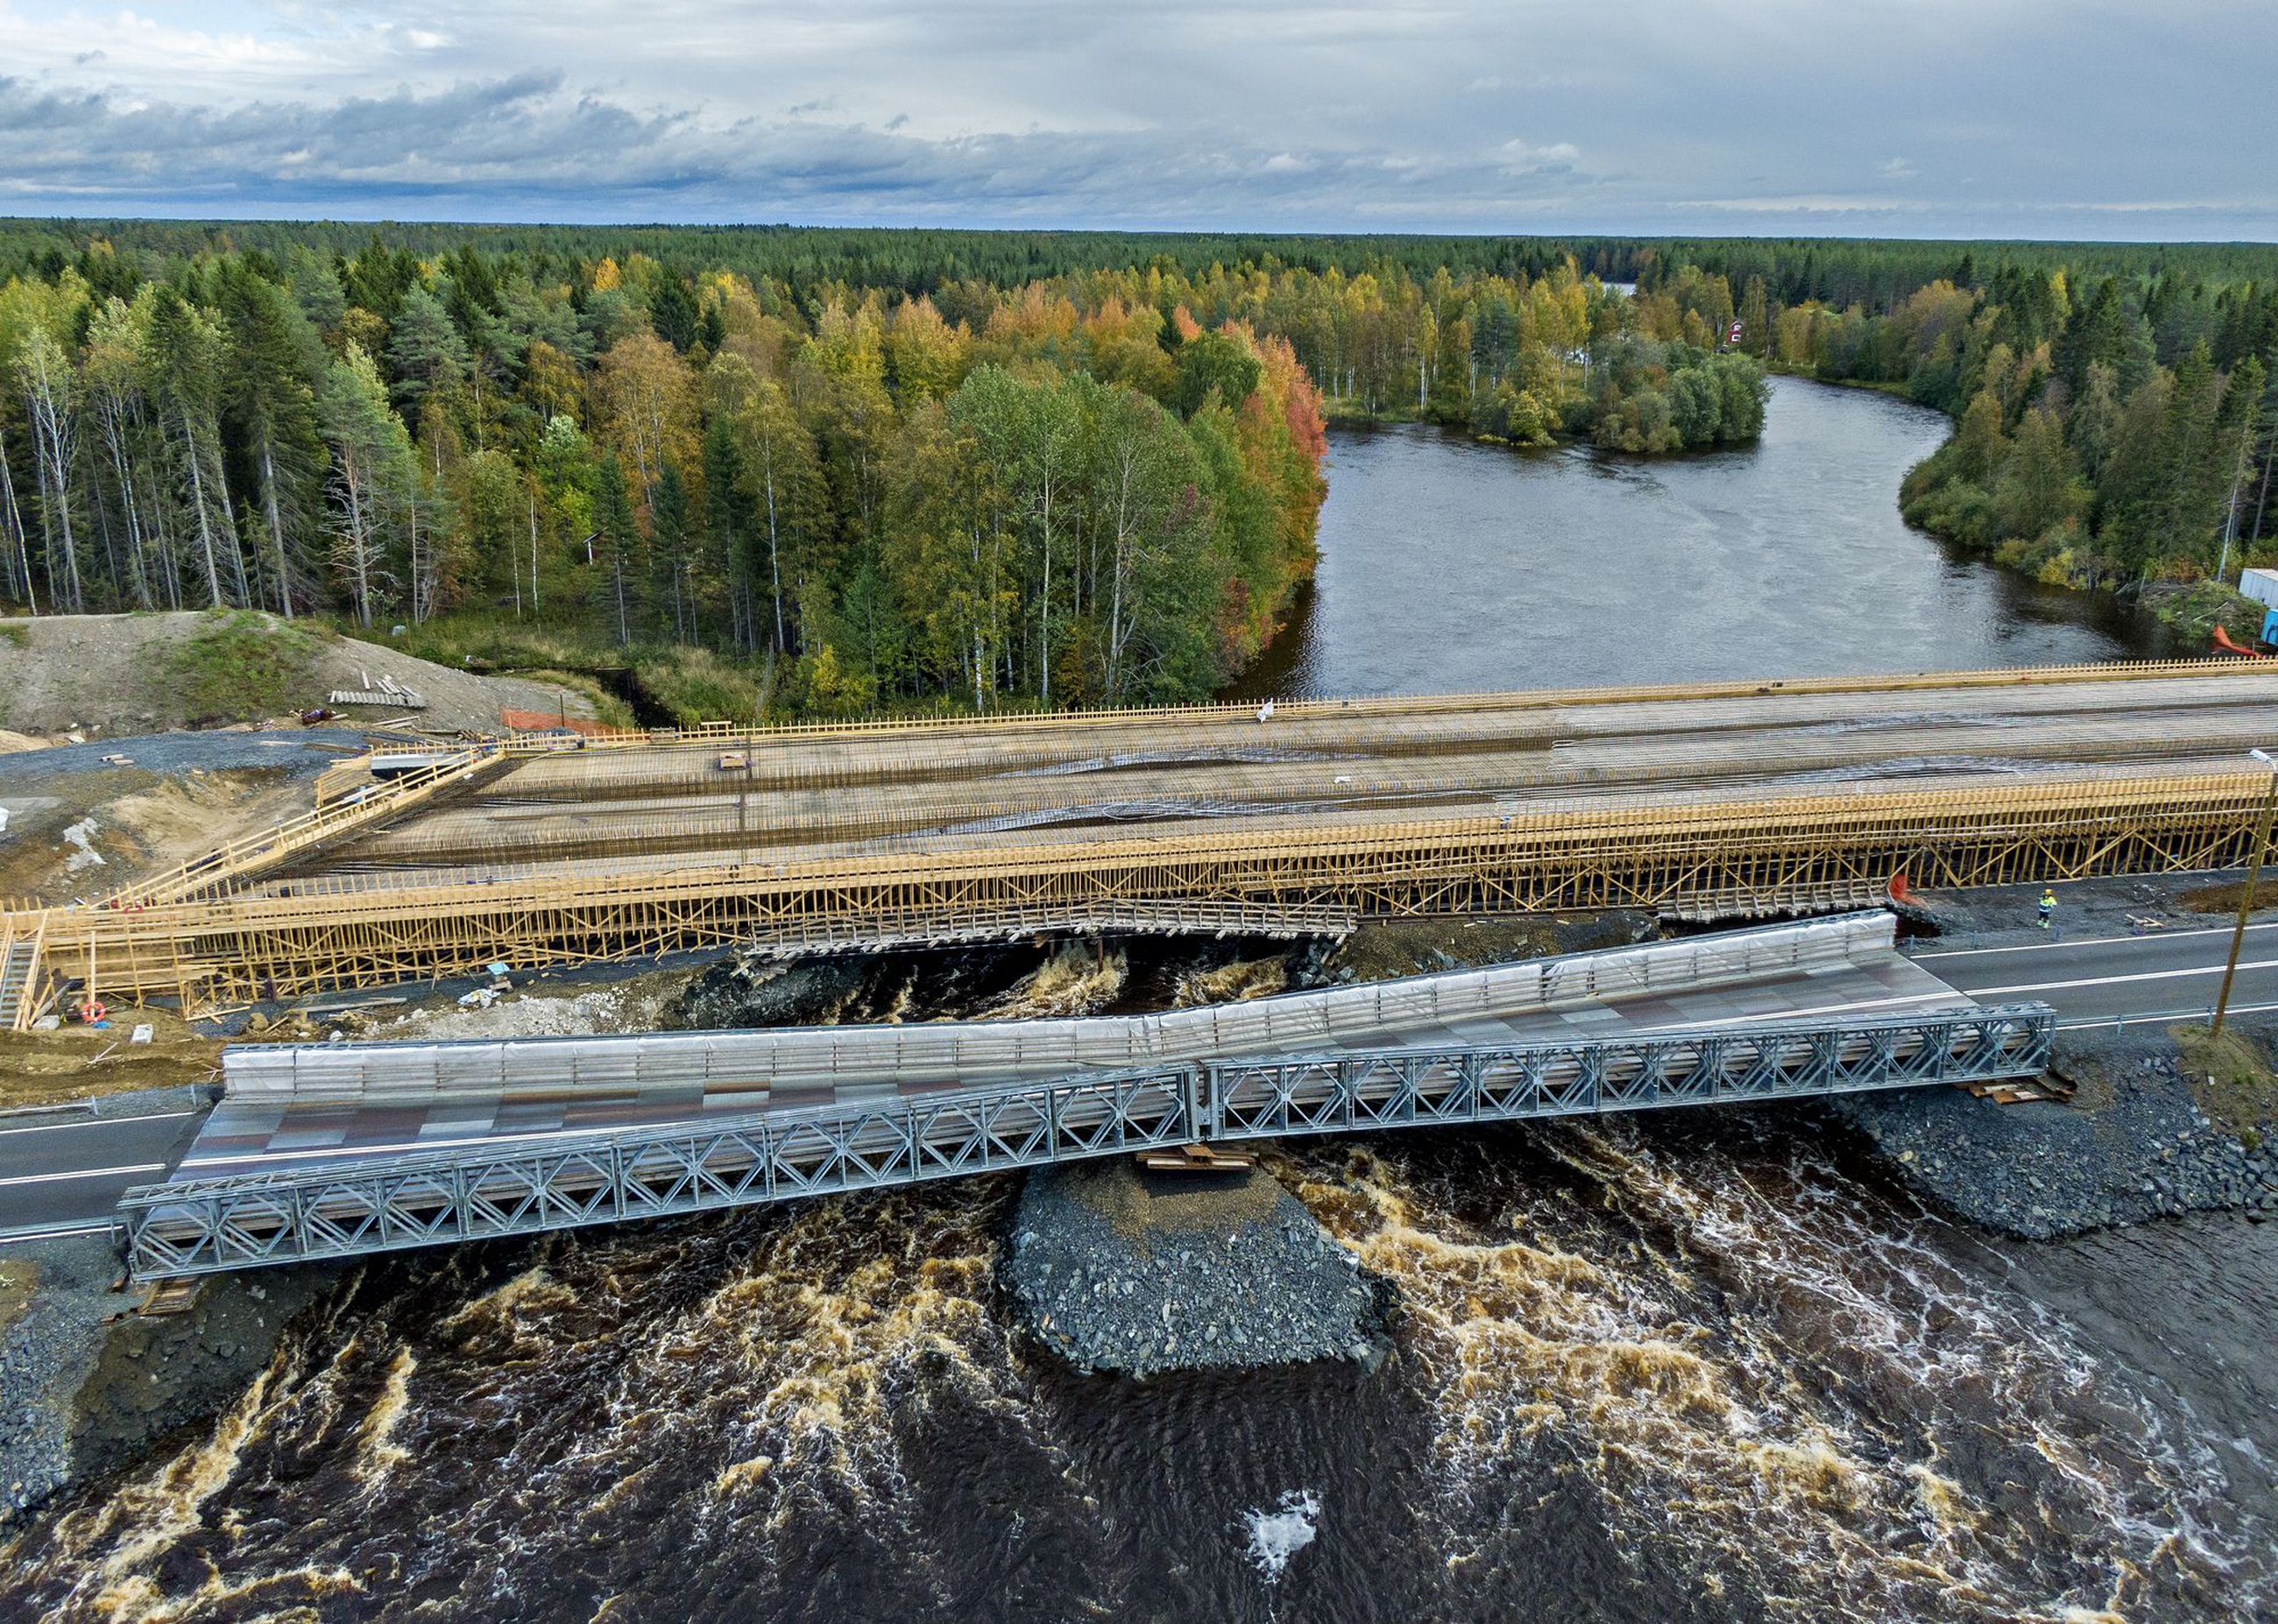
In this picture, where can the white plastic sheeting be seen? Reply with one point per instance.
(969, 1053)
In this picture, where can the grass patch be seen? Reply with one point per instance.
(696, 685)
(21, 636)
(504, 644)
(2230, 1075)
(608, 710)
(242, 665)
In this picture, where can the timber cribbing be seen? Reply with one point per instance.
(350, 931)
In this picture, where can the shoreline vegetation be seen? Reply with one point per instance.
(2111, 432)
(815, 473)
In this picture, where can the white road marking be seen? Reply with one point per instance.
(2173, 1018)
(99, 1122)
(2116, 980)
(91, 1172)
(2088, 941)
(9, 1236)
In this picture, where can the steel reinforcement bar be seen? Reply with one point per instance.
(203, 1226)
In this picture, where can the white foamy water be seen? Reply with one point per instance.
(1278, 1534)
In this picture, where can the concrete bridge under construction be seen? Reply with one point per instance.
(1704, 801)
(342, 1150)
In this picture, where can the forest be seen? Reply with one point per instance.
(2109, 431)
(875, 469)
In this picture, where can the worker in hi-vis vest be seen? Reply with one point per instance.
(2048, 909)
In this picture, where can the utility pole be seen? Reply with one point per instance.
(2246, 897)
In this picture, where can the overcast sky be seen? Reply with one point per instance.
(1901, 118)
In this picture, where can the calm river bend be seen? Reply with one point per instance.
(1449, 565)
(1705, 1368)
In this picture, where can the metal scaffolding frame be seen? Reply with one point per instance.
(357, 1208)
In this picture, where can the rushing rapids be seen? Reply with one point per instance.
(1658, 1371)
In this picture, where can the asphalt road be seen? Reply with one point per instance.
(2161, 975)
(295, 749)
(62, 1173)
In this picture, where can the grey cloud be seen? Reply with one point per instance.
(2077, 117)
(529, 138)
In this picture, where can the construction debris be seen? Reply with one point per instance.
(386, 692)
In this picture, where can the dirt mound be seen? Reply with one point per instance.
(85, 834)
(111, 673)
(76, 1062)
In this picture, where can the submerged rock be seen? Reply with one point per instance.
(1115, 1268)
(769, 993)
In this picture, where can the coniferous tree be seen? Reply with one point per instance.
(371, 487)
(617, 541)
(271, 409)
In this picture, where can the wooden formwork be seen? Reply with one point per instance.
(366, 931)
(297, 837)
(718, 734)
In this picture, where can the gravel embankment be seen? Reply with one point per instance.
(2132, 1146)
(87, 1385)
(1145, 1273)
(110, 673)
(44, 1356)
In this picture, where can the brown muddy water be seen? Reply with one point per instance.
(1704, 1366)
(1685, 1369)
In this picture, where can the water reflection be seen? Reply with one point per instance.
(1449, 565)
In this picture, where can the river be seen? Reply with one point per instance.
(1449, 565)
(1705, 1366)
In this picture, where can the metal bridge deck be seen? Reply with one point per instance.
(336, 1150)
(330, 1103)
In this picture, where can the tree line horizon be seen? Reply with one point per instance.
(833, 471)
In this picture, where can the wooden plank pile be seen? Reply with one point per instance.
(386, 692)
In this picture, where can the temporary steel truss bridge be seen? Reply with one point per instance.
(562, 1181)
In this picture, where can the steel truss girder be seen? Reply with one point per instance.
(204, 1226)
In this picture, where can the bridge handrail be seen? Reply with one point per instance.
(233, 860)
